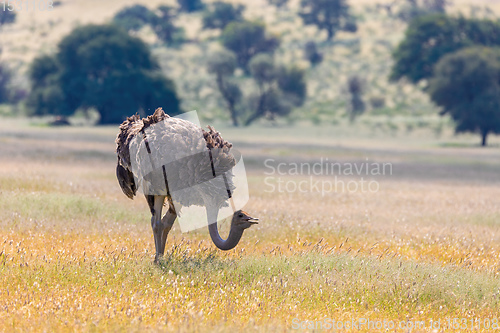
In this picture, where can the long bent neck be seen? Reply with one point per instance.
(231, 241)
(234, 234)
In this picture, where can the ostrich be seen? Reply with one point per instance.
(178, 141)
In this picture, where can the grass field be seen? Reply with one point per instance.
(419, 249)
(76, 254)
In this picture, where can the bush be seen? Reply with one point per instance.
(377, 102)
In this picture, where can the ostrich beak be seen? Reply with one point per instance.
(251, 220)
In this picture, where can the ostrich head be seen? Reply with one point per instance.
(242, 220)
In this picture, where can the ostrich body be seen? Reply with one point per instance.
(181, 165)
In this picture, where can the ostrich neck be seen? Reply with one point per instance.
(231, 241)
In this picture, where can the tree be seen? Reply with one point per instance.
(221, 14)
(7, 17)
(329, 15)
(356, 88)
(101, 67)
(311, 53)
(436, 6)
(246, 39)
(133, 18)
(162, 24)
(466, 85)
(46, 97)
(223, 65)
(291, 81)
(278, 3)
(414, 8)
(191, 5)
(428, 38)
(5, 77)
(280, 89)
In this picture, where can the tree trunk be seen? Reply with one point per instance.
(484, 135)
(331, 33)
(232, 110)
(229, 100)
(252, 118)
(260, 108)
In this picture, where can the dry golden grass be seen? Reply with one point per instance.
(76, 254)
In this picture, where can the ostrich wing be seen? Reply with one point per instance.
(126, 180)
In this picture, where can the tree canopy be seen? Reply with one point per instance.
(280, 88)
(466, 84)
(101, 67)
(312, 54)
(221, 14)
(428, 38)
(133, 17)
(191, 5)
(414, 8)
(246, 39)
(163, 25)
(278, 3)
(329, 15)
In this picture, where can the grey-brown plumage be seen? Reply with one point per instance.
(184, 145)
(182, 159)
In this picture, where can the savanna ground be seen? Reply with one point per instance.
(76, 254)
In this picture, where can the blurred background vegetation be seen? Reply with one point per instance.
(395, 66)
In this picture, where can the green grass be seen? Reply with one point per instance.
(65, 208)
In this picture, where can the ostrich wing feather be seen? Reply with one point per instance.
(126, 181)
(179, 147)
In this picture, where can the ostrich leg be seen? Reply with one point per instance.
(167, 222)
(156, 204)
